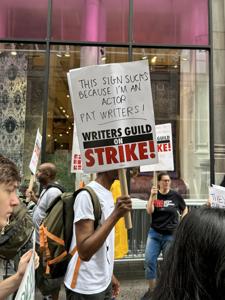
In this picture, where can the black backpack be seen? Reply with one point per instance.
(56, 232)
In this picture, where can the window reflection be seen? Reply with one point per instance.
(180, 90)
(179, 80)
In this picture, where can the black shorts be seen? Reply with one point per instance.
(105, 295)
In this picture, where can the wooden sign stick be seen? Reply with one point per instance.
(155, 182)
(124, 192)
(31, 184)
(92, 176)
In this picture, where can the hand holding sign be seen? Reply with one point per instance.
(217, 196)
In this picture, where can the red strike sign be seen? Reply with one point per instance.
(165, 147)
(120, 154)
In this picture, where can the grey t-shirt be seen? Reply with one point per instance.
(44, 201)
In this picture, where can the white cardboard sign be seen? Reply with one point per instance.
(27, 287)
(217, 196)
(36, 153)
(165, 149)
(114, 115)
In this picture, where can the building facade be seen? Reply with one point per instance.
(183, 40)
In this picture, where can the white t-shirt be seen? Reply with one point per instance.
(44, 201)
(95, 275)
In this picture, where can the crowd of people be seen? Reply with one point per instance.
(192, 243)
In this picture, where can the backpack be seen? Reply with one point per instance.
(55, 185)
(17, 233)
(56, 232)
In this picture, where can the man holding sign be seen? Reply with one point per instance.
(114, 116)
(9, 179)
(94, 277)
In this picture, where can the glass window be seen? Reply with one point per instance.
(180, 90)
(22, 70)
(60, 114)
(171, 22)
(23, 19)
(95, 21)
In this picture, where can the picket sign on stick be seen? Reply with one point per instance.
(34, 160)
(124, 192)
(114, 130)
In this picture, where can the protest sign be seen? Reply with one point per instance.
(36, 153)
(165, 150)
(27, 287)
(217, 196)
(76, 164)
(114, 115)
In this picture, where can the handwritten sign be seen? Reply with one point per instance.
(217, 196)
(36, 153)
(165, 149)
(114, 115)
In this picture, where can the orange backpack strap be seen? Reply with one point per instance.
(55, 238)
(41, 234)
(57, 258)
(77, 267)
(75, 273)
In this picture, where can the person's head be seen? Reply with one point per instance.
(107, 178)
(194, 267)
(164, 182)
(46, 173)
(9, 180)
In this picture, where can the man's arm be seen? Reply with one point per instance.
(89, 241)
(11, 284)
(150, 204)
(185, 211)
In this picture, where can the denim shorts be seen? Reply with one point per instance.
(156, 242)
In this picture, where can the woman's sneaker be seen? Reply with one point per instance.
(147, 295)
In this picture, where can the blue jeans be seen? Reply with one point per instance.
(156, 242)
